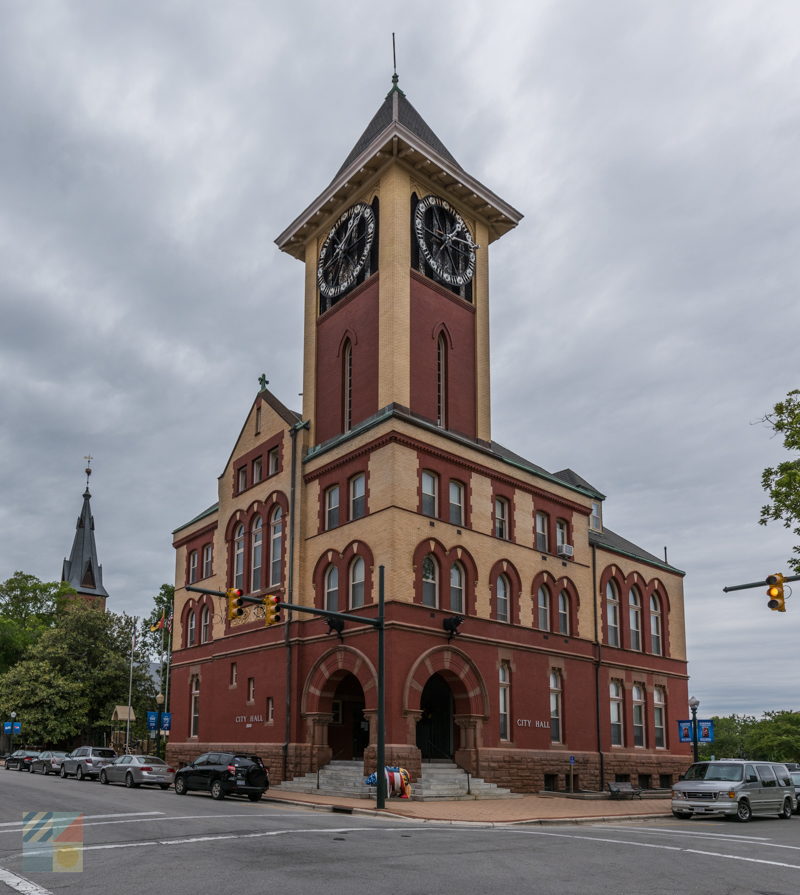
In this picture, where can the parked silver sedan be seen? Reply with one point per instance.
(47, 763)
(134, 770)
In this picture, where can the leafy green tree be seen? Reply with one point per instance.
(162, 608)
(28, 607)
(85, 660)
(730, 737)
(782, 482)
(775, 737)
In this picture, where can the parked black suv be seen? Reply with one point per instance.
(224, 774)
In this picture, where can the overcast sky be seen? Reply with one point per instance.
(644, 313)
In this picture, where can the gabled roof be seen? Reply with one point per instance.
(398, 132)
(570, 477)
(82, 571)
(616, 543)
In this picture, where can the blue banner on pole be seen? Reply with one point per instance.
(705, 731)
(17, 727)
(6, 727)
(166, 721)
(152, 720)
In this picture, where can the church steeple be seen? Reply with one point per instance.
(82, 571)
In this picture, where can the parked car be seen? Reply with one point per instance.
(134, 770)
(795, 775)
(20, 760)
(86, 761)
(224, 774)
(734, 788)
(47, 763)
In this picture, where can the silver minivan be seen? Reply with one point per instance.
(734, 788)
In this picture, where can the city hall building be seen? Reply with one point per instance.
(570, 652)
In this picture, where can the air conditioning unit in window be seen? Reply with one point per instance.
(565, 550)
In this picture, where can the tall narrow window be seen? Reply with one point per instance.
(456, 503)
(194, 713)
(501, 518)
(635, 618)
(638, 715)
(430, 581)
(193, 567)
(615, 695)
(358, 496)
(208, 560)
(347, 386)
(596, 519)
(258, 420)
(191, 628)
(441, 381)
(241, 479)
(563, 612)
(543, 608)
(256, 552)
(555, 707)
(234, 674)
(332, 507)
(655, 626)
(257, 470)
(505, 700)
(612, 613)
(205, 625)
(275, 546)
(357, 583)
(273, 460)
(503, 589)
(332, 589)
(542, 541)
(659, 719)
(456, 587)
(251, 689)
(238, 557)
(430, 493)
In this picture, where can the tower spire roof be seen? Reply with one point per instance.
(82, 571)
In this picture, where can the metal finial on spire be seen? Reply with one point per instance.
(395, 78)
(88, 458)
(263, 381)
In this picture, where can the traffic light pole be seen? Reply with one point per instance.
(762, 583)
(378, 624)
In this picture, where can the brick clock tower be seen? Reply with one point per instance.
(520, 629)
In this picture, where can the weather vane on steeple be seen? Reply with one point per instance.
(395, 78)
(88, 458)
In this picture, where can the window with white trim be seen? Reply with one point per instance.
(504, 712)
(332, 589)
(656, 644)
(193, 567)
(430, 581)
(543, 608)
(257, 470)
(273, 460)
(430, 493)
(234, 674)
(637, 700)
(256, 552)
(238, 556)
(456, 503)
(542, 540)
(456, 587)
(275, 547)
(358, 496)
(555, 707)
(612, 613)
(357, 569)
(331, 507)
(635, 618)
(191, 628)
(251, 689)
(501, 518)
(561, 533)
(503, 592)
(617, 713)
(563, 613)
(659, 717)
(208, 561)
(241, 479)
(596, 519)
(205, 625)
(194, 710)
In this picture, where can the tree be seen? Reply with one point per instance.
(162, 609)
(782, 482)
(28, 607)
(730, 738)
(776, 737)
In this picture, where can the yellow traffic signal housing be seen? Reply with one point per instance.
(775, 593)
(272, 610)
(235, 603)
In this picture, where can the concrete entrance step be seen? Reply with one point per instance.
(337, 778)
(445, 781)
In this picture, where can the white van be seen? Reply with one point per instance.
(734, 788)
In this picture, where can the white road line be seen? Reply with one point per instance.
(728, 837)
(20, 884)
(740, 858)
(144, 814)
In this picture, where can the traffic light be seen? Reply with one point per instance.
(235, 603)
(272, 610)
(775, 592)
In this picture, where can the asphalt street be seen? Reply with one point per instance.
(146, 840)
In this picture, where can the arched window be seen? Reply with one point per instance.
(238, 557)
(502, 590)
(256, 551)
(637, 695)
(617, 713)
(191, 628)
(357, 583)
(441, 381)
(430, 581)
(275, 546)
(656, 644)
(659, 717)
(555, 707)
(635, 618)
(456, 587)
(612, 613)
(205, 625)
(347, 386)
(563, 612)
(543, 608)
(194, 708)
(332, 589)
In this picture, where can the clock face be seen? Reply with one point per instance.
(346, 250)
(444, 241)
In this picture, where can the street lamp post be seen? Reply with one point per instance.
(160, 703)
(693, 705)
(11, 742)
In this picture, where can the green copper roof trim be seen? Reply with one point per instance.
(212, 509)
(392, 411)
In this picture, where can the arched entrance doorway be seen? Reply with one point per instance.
(348, 731)
(435, 729)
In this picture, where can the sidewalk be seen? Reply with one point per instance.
(529, 809)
